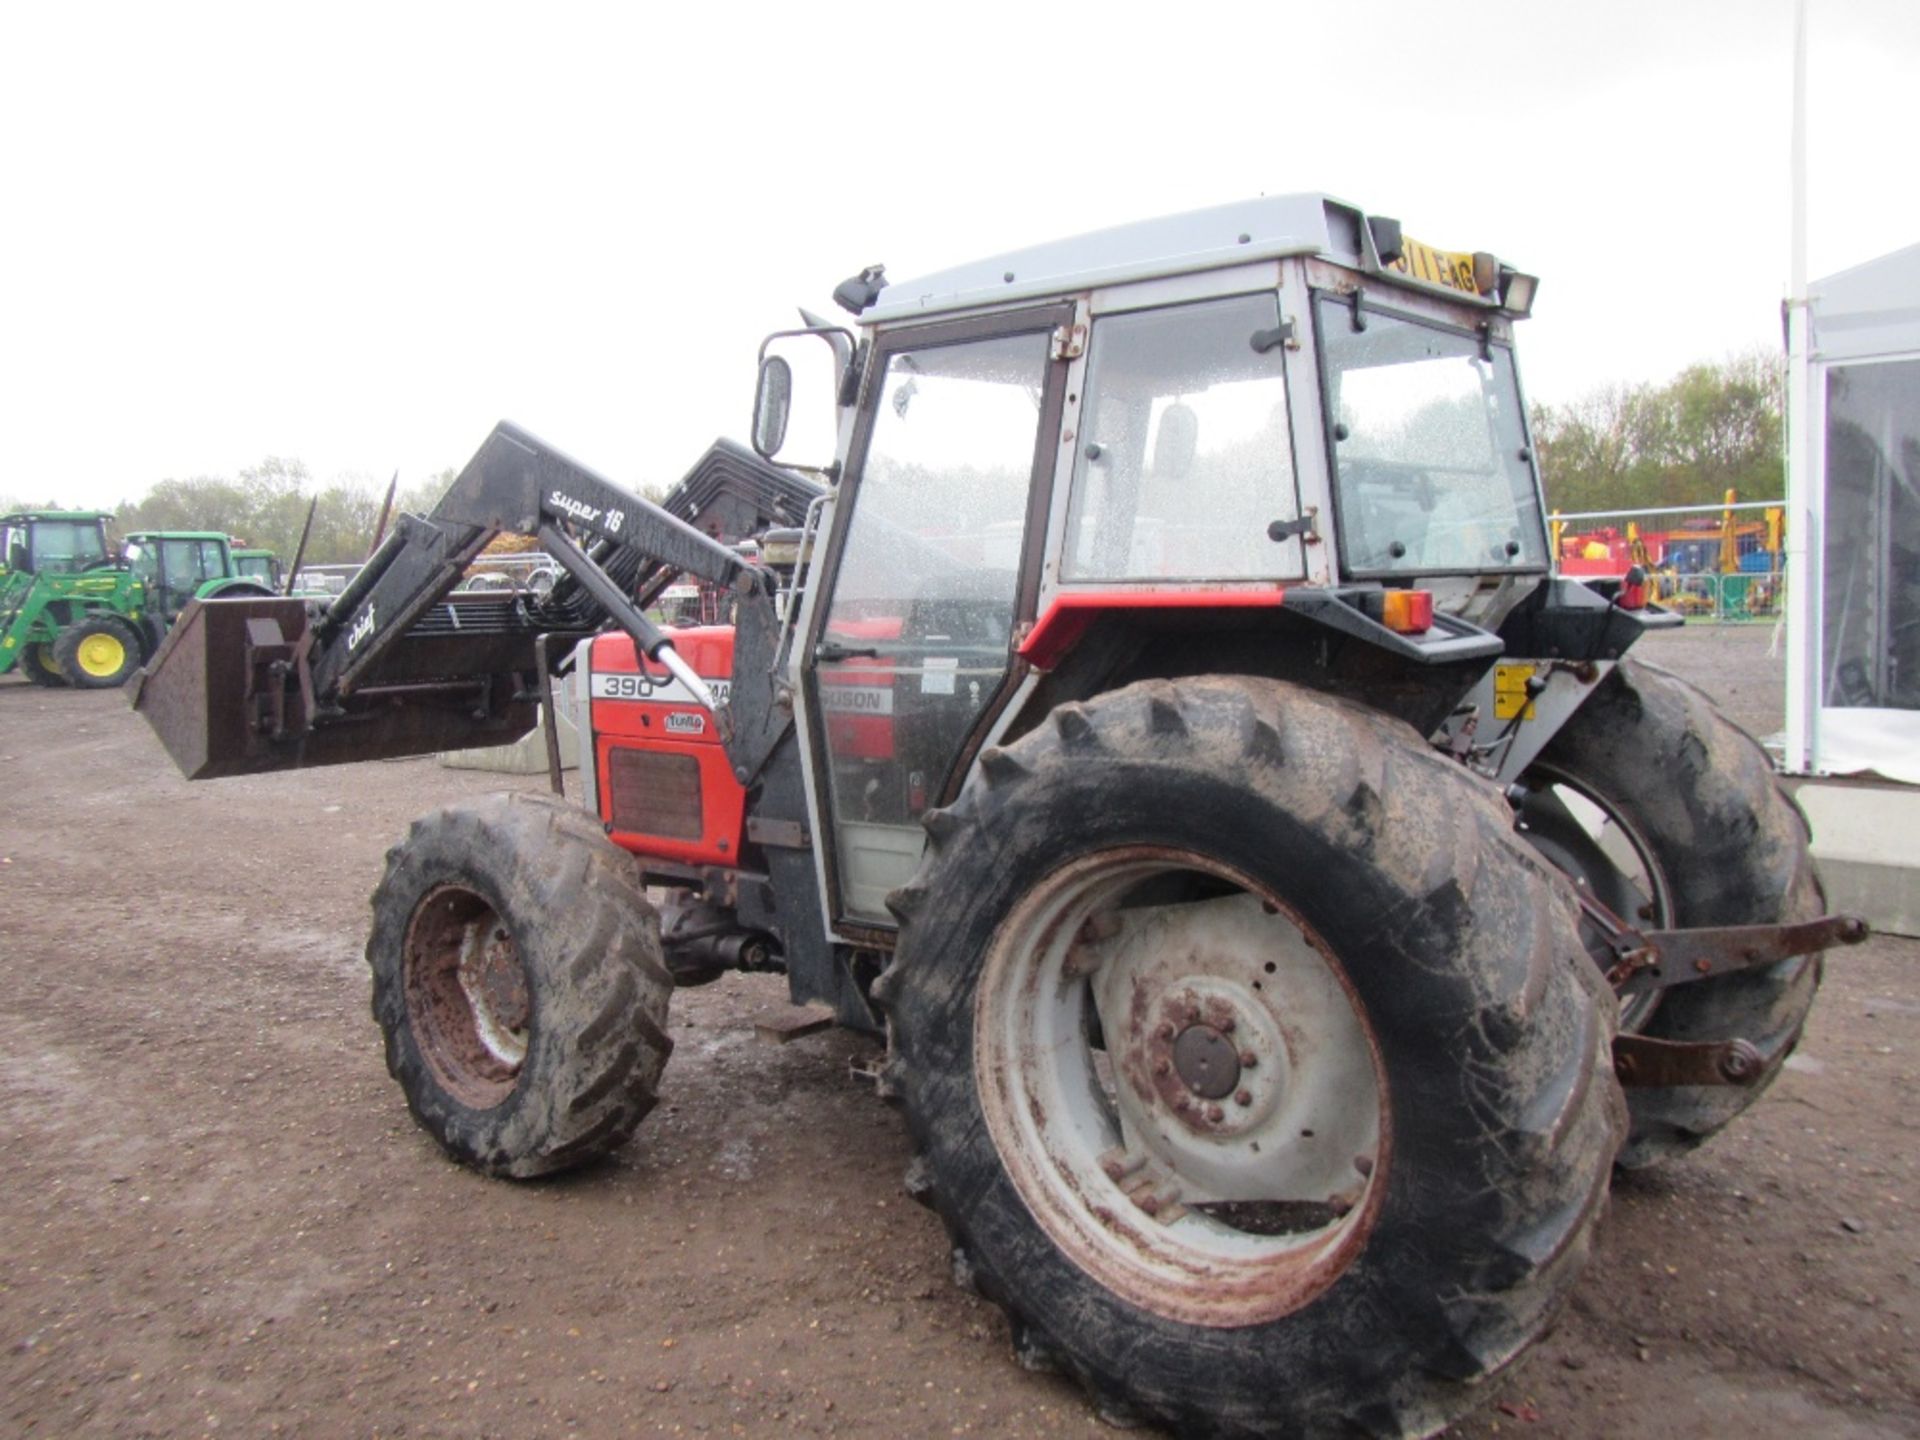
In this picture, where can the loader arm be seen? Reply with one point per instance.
(397, 664)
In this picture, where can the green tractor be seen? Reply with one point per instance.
(66, 610)
(259, 565)
(72, 613)
(175, 567)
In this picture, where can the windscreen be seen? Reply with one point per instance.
(66, 545)
(1430, 454)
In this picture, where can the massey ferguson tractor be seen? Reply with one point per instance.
(1283, 898)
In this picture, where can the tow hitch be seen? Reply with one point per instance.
(1659, 959)
(1647, 960)
(1638, 1060)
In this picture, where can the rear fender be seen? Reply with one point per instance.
(1570, 620)
(1314, 638)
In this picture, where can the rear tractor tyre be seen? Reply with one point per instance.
(1649, 787)
(98, 653)
(39, 666)
(518, 980)
(1255, 1066)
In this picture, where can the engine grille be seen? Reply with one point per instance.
(655, 794)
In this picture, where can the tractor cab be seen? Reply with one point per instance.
(262, 566)
(1208, 435)
(53, 542)
(177, 566)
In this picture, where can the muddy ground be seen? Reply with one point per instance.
(217, 1218)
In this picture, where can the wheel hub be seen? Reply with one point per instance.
(101, 655)
(1214, 1058)
(496, 983)
(1206, 1060)
(468, 1001)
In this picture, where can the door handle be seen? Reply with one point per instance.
(833, 650)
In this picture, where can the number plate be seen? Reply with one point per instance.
(1449, 269)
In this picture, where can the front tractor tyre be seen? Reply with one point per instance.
(98, 653)
(1256, 1068)
(39, 666)
(518, 979)
(1670, 814)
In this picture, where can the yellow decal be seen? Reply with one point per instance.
(1510, 692)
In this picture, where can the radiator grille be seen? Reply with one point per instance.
(655, 794)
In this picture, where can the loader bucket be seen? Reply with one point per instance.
(194, 691)
(229, 693)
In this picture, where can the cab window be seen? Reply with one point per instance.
(1431, 462)
(182, 563)
(1185, 455)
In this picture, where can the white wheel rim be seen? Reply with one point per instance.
(1185, 1179)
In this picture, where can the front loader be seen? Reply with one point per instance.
(1284, 899)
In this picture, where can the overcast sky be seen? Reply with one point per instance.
(358, 235)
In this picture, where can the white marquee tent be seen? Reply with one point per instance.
(1853, 664)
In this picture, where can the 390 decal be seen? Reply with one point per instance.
(618, 685)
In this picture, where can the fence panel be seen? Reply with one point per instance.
(1722, 562)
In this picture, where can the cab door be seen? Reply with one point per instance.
(185, 565)
(934, 561)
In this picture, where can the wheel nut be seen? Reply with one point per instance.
(1244, 1097)
(1248, 1059)
(1216, 1114)
(1165, 1032)
(1163, 1067)
(1225, 1027)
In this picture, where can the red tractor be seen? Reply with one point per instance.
(1283, 899)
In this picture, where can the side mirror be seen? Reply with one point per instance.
(797, 400)
(772, 404)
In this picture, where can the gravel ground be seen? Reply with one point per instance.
(219, 1219)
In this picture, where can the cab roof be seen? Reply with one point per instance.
(1247, 230)
(28, 517)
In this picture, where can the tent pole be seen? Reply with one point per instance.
(1804, 546)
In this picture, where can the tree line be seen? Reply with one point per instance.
(266, 505)
(1713, 427)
